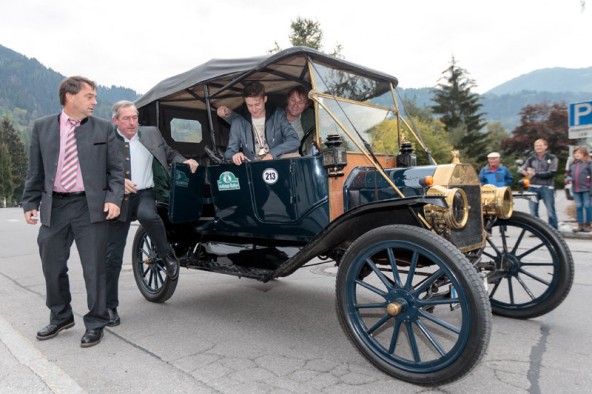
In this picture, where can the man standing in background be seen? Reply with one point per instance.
(494, 173)
(541, 168)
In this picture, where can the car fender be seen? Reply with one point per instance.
(357, 221)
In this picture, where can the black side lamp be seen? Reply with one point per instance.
(406, 157)
(334, 158)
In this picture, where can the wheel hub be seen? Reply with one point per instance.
(394, 308)
(510, 264)
(401, 304)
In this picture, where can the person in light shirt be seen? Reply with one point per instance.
(147, 160)
(298, 111)
(264, 134)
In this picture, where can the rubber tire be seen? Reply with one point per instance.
(475, 312)
(149, 273)
(562, 274)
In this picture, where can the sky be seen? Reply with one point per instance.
(136, 44)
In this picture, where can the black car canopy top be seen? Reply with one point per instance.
(222, 80)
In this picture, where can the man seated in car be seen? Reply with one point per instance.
(264, 133)
(298, 111)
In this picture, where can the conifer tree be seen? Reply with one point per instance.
(307, 33)
(6, 180)
(459, 109)
(16, 154)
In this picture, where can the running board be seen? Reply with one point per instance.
(260, 274)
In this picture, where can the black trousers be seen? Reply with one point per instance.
(70, 222)
(142, 206)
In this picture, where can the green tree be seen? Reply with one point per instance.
(307, 33)
(547, 121)
(435, 138)
(6, 179)
(411, 109)
(460, 112)
(496, 133)
(18, 159)
(385, 138)
(431, 131)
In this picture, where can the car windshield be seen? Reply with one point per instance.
(362, 106)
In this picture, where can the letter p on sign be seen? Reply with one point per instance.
(581, 114)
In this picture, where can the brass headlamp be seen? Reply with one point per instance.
(497, 201)
(456, 215)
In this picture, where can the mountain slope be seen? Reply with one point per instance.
(503, 103)
(27, 85)
(555, 80)
(28, 90)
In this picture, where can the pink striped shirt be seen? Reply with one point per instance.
(57, 185)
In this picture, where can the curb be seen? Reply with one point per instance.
(36, 364)
(571, 234)
(566, 229)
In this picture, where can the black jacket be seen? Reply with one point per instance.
(545, 169)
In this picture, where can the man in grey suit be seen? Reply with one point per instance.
(75, 179)
(147, 160)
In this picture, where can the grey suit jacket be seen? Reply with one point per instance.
(99, 163)
(164, 157)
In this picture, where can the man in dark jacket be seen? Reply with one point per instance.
(264, 135)
(75, 180)
(146, 158)
(541, 168)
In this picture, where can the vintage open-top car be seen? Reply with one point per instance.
(424, 253)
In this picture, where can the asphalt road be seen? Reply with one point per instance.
(222, 334)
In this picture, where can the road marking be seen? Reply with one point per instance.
(24, 351)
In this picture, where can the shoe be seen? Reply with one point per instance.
(172, 265)
(114, 319)
(91, 337)
(51, 330)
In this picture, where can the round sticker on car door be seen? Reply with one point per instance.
(270, 176)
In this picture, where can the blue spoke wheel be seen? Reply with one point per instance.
(413, 305)
(534, 268)
(149, 270)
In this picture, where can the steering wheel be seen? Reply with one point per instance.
(303, 140)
